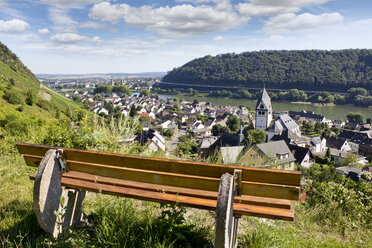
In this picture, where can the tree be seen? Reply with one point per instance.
(328, 153)
(103, 89)
(218, 130)
(161, 130)
(30, 98)
(233, 122)
(355, 117)
(121, 89)
(350, 160)
(145, 92)
(133, 111)
(168, 133)
(256, 136)
(143, 119)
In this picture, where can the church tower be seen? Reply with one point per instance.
(264, 111)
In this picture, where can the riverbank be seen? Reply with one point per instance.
(333, 112)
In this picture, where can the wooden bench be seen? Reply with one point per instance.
(231, 191)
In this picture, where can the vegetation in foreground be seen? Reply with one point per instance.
(337, 212)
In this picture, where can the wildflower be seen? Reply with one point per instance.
(82, 122)
(76, 110)
(88, 128)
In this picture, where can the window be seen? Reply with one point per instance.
(283, 156)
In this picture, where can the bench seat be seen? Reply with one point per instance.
(243, 205)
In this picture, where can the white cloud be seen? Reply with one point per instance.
(3, 2)
(275, 7)
(219, 38)
(194, 1)
(92, 25)
(289, 23)
(30, 37)
(96, 39)
(180, 20)
(68, 38)
(13, 26)
(68, 2)
(44, 31)
(263, 10)
(61, 20)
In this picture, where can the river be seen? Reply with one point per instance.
(337, 112)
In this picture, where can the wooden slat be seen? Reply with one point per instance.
(201, 203)
(245, 199)
(177, 180)
(259, 175)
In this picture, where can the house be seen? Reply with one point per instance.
(338, 156)
(272, 154)
(291, 138)
(230, 154)
(205, 146)
(165, 124)
(365, 147)
(353, 173)
(207, 131)
(154, 140)
(302, 155)
(338, 124)
(318, 144)
(125, 112)
(103, 110)
(357, 139)
(197, 125)
(309, 116)
(339, 144)
(152, 115)
(228, 139)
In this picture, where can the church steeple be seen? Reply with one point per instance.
(263, 111)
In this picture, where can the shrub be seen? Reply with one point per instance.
(13, 97)
(30, 98)
(18, 127)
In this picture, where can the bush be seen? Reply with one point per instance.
(13, 97)
(18, 127)
(30, 99)
(341, 205)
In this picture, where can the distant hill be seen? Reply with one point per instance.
(305, 69)
(24, 101)
(101, 75)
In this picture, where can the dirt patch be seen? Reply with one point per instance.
(43, 95)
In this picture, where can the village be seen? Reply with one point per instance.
(235, 135)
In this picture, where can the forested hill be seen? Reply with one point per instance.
(305, 69)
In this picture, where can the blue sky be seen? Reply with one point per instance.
(96, 36)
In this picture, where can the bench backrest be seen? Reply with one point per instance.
(184, 174)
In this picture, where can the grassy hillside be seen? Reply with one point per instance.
(305, 70)
(24, 103)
